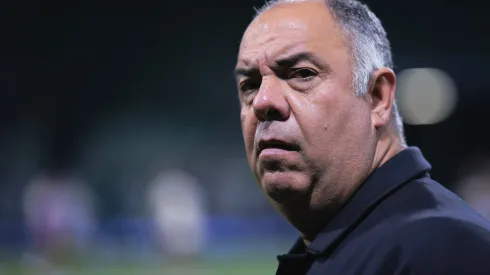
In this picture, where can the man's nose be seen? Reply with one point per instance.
(270, 102)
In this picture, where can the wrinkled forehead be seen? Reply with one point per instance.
(267, 25)
(291, 25)
(269, 37)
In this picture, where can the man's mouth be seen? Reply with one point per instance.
(275, 146)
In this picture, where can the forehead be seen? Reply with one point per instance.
(289, 26)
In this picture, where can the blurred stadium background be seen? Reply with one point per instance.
(120, 142)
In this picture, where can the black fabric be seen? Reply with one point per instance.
(399, 222)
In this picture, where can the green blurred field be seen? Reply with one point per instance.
(249, 256)
(235, 267)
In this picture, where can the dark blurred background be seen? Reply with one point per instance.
(120, 143)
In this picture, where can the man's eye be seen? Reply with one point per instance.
(303, 73)
(247, 86)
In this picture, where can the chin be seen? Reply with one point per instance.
(285, 185)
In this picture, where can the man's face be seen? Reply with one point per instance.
(307, 136)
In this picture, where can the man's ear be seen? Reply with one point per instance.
(381, 95)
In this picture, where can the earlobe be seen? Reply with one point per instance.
(382, 94)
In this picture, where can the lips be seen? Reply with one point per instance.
(276, 144)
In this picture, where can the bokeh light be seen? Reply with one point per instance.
(425, 95)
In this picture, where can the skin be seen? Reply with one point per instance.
(294, 76)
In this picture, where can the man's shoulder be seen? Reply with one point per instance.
(424, 212)
(442, 230)
(436, 231)
(424, 201)
(445, 244)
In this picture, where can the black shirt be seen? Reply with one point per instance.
(398, 222)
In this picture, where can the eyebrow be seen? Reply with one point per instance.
(241, 71)
(294, 59)
(287, 61)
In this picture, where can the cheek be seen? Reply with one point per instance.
(350, 118)
(318, 113)
(338, 121)
(249, 126)
(341, 108)
(349, 132)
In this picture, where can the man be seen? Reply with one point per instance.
(324, 139)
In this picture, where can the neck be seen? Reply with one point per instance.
(387, 147)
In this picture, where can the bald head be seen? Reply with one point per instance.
(307, 17)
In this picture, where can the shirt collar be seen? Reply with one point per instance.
(384, 180)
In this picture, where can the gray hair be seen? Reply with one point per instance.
(369, 44)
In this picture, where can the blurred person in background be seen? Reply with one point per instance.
(325, 142)
(59, 214)
(178, 208)
(474, 185)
